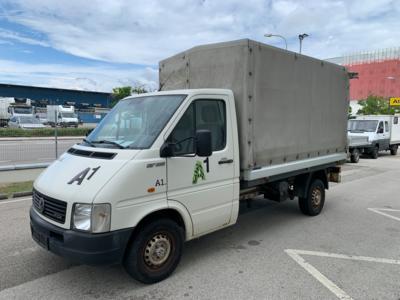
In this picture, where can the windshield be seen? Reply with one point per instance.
(362, 125)
(28, 120)
(135, 123)
(22, 110)
(68, 115)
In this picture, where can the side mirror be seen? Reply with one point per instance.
(203, 143)
(166, 150)
(380, 130)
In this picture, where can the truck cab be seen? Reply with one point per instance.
(140, 164)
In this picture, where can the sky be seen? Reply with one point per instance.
(98, 45)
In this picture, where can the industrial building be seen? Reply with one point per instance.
(90, 106)
(42, 96)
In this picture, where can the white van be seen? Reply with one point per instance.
(370, 134)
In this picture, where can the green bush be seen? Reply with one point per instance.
(43, 132)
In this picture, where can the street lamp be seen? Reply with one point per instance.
(277, 35)
(301, 38)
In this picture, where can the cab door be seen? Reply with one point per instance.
(380, 135)
(204, 185)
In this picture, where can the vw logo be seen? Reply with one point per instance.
(40, 204)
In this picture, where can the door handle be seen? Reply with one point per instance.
(225, 161)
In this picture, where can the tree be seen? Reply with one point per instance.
(120, 93)
(125, 91)
(375, 105)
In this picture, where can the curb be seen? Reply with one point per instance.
(15, 195)
(24, 167)
(21, 194)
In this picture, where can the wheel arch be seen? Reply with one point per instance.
(173, 212)
(302, 182)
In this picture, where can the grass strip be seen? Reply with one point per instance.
(11, 188)
(43, 132)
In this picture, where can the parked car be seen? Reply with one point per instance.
(25, 122)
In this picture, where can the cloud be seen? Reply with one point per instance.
(14, 36)
(142, 32)
(94, 78)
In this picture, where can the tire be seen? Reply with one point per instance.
(375, 152)
(162, 235)
(393, 150)
(355, 156)
(313, 204)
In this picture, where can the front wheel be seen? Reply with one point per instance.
(375, 152)
(393, 150)
(155, 251)
(314, 202)
(355, 156)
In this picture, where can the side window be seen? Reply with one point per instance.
(184, 131)
(201, 114)
(210, 114)
(380, 127)
(396, 120)
(386, 126)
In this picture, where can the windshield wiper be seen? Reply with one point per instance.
(109, 143)
(89, 142)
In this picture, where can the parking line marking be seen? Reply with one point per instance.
(12, 201)
(381, 212)
(296, 256)
(317, 274)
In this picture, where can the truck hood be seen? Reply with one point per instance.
(369, 136)
(80, 176)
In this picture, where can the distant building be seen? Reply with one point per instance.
(378, 72)
(42, 96)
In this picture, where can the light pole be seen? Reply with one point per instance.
(301, 38)
(277, 35)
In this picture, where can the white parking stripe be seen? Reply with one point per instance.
(295, 255)
(16, 200)
(317, 275)
(381, 212)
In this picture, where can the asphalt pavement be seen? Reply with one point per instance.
(33, 150)
(351, 250)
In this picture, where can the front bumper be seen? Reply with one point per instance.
(86, 248)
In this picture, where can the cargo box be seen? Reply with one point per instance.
(289, 107)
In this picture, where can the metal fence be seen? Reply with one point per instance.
(30, 152)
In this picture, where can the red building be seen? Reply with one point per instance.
(380, 78)
(378, 73)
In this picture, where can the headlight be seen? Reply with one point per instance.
(94, 218)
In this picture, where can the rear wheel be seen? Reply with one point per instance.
(155, 251)
(375, 152)
(355, 156)
(393, 150)
(314, 202)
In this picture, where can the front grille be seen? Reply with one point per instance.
(49, 207)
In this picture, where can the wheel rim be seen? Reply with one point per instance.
(157, 250)
(316, 198)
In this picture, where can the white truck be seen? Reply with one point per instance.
(234, 121)
(62, 115)
(370, 134)
(14, 107)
